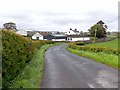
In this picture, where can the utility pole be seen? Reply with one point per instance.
(95, 35)
(83, 36)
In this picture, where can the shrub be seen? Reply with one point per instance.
(16, 54)
(94, 49)
(80, 43)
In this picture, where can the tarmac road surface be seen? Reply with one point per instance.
(63, 69)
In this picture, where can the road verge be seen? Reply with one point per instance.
(108, 59)
(32, 74)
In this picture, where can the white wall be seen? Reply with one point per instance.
(37, 35)
(78, 39)
(58, 39)
(35, 38)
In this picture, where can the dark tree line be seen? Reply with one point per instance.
(98, 30)
(10, 26)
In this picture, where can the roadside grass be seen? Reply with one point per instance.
(109, 44)
(32, 74)
(108, 59)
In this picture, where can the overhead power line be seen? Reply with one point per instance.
(117, 18)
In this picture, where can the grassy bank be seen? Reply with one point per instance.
(32, 74)
(108, 59)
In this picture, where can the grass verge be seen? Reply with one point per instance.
(108, 59)
(32, 74)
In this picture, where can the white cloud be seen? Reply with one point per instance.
(59, 14)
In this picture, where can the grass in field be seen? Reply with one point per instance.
(32, 74)
(108, 59)
(109, 44)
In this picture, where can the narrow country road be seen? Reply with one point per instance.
(65, 70)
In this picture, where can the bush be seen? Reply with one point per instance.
(16, 54)
(94, 49)
(80, 43)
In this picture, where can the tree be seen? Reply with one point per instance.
(100, 22)
(10, 26)
(98, 30)
(85, 34)
(108, 33)
(118, 34)
(81, 33)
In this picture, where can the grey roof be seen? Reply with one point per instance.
(59, 35)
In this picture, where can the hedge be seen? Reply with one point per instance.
(16, 54)
(94, 49)
(80, 43)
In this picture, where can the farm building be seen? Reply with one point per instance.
(37, 36)
(73, 32)
(74, 38)
(59, 37)
(49, 36)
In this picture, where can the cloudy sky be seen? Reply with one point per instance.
(59, 15)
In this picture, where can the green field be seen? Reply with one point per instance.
(109, 44)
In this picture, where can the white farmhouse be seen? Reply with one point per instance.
(37, 36)
(73, 32)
